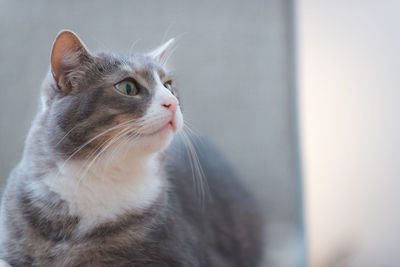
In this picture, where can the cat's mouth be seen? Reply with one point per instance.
(161, 126)
(171, 125)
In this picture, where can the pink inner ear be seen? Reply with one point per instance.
(65, 45)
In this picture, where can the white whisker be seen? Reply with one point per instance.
(197, 171)
(62, 139)
(94, 138)
(91, 140)
(109, 143)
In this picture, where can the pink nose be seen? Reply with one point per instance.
(170, 103)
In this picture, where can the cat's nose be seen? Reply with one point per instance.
(170, 103)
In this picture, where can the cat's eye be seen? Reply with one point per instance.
(127, 87)
(168, 85)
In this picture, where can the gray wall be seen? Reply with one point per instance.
(234, 65)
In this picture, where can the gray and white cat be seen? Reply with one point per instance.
(103, 180)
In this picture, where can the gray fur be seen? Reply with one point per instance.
(224, 229)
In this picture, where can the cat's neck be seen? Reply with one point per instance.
(111, 187)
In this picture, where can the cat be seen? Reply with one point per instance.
(105, 178)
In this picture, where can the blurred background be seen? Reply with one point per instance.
(349, 91)
(302, 97)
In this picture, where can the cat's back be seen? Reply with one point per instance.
(222, 214)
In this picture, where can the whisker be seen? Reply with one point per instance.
(94, 138)
(191, 132)
(113, 139)
(91, 156)
(111, 154)
(114, 150)
(197, 170)
(133, 45)
(191, 127)
(167, 31)
(117, 149)
(73, 128)
(190, 161)
(91, 140)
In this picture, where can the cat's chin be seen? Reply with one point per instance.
(154, 142)
(169, 127)
(161, 139)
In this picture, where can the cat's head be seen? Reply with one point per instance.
(94, 100)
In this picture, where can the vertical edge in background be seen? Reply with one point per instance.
(295, 117)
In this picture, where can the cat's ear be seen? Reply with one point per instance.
(162, 53)
(68, 54)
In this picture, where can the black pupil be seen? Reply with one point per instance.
(128, 88)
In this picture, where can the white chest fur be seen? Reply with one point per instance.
(108, 189)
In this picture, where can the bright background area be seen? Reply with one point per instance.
(349, 87)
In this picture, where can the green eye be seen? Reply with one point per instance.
(168, 85)
(127, 88)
